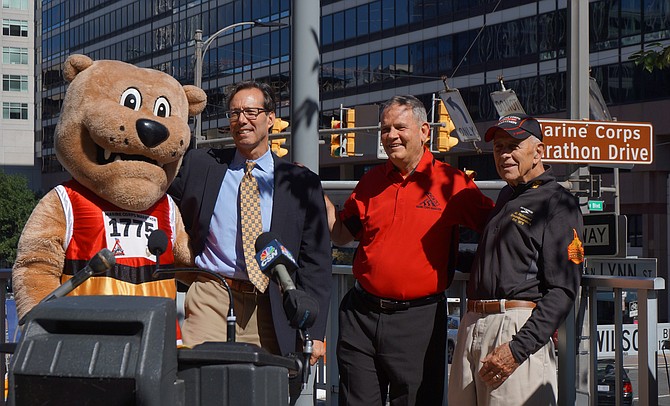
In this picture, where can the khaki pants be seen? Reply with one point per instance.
(533, 383)
(206, 308)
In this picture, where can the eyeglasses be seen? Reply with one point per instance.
(251, 113)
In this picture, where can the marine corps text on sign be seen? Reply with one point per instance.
(597, 141)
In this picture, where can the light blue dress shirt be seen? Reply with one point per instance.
(223, 248)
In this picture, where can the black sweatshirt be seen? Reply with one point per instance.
(531, 250)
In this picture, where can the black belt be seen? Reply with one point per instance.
(242, 286)
(394, 305)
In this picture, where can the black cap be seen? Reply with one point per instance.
(519, 126)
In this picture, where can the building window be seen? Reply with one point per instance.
(14, 83)
(15, 111)
(15, 4)
(14, 28)
(14, 56)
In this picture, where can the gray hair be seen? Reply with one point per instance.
(412, 102)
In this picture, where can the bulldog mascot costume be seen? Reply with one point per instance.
(122, 133)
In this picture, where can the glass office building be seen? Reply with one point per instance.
(371, 50)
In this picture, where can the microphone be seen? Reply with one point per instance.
(274, 259)
(157, 245)
(300, 308)
(100, 263)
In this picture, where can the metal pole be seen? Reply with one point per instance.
(576, 380)
(305, 65)
(648, 339)
(578, 59)
(197, 81)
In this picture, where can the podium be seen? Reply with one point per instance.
(97, 350)
(229, 374)
(121, 350)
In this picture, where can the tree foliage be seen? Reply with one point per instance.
(656, 58)
(17, 201)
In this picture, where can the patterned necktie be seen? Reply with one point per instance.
(252, 225)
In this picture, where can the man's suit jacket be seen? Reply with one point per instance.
(298, 218)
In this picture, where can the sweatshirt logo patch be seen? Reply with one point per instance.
(576, 249)
(430, 203)
(523, 217)
(525, 210)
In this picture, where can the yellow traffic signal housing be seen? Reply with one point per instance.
(279, 125)
(351, 137)
(335, 147)
(277, 146)
(444, 139)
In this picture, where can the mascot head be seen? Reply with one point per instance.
(123, 130)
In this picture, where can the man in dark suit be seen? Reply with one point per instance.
(292, 207)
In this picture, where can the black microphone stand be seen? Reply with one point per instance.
(307, 349)
(230, 319)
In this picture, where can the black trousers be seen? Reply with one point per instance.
(404, 351)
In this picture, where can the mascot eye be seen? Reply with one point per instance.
(162, 107)
(131, 98)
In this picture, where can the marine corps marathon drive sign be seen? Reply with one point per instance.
(597, 141)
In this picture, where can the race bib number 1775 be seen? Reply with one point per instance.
(127, 233)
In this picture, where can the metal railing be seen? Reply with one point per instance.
(5, 277)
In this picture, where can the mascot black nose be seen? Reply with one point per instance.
(151, 133)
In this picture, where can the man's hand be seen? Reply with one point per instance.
(498, 365)
(318, 351)
(338, 231)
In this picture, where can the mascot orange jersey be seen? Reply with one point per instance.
(93, 224)
(121, 135)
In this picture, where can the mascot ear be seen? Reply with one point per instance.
(74, 65)
(197, 99)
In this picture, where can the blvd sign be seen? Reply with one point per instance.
(593, 142)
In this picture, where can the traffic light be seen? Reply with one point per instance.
(277, 144)
(279, 125)
(351, 137)
(444, 140)
(335, 147)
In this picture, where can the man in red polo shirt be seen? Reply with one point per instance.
(405, 215)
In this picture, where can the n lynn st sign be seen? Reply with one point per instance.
(597, 141)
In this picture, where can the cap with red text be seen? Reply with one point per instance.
(519, 126)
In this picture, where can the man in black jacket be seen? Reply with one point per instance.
(524, 279)
(207, 190)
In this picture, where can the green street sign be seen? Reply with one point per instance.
(596, 205)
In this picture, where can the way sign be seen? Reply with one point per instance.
(506, 102)
(588, 142)
(600, 234)
(465, 127)
(634, 267)
(596, 205)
